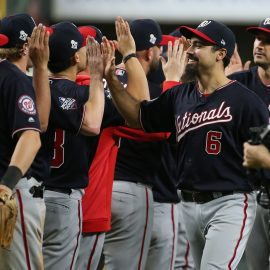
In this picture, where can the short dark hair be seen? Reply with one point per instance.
(226, 59)
(59, 66)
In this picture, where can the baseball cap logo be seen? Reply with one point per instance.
(223, 42)
(204, 23)
(74, 44)
(152, 39)
(266, 21)
(23, 35)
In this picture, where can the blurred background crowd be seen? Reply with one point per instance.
(237, 14)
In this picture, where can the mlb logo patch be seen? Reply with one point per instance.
(120, 72)
(67, 103)
(27, 105)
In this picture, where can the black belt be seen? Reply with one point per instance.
(60, 190)
(203, 197)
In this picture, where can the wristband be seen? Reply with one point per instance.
(127, 57)
(11, 177)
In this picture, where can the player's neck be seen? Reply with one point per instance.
(64, 75)
(207, 85)
(264, 75)
(20, 64)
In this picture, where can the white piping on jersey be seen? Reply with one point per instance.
(192, 121)
(219, 88)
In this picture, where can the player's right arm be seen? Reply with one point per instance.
(128, 105)
(22, 158)
(39, 54)
(94, 107)
(24, 129)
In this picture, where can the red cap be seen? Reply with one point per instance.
(166, 38)
(91, 31)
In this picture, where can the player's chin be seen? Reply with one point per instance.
(259, 58)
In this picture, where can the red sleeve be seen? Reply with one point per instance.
(83, 79)
(169, 84)
(139, 135)
(96, 202)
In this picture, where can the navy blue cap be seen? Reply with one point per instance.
(92, 31)
(146, 33)
(176, 33)
(264, 26)
(15, 29)
(65, 40)
(213, 32)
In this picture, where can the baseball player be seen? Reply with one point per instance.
(211, 117)
(74, 110)
(135, 170)
(183, 257)
(20, 139)
(97, 199)
(257, 79)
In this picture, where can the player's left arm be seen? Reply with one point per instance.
(39, 54)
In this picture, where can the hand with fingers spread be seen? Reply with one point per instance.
(94, 59)
(177, 59)
(39, 46)
(125, 42)
(108, 51)
(236, 64)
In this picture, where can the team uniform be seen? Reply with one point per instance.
(259, 237)
(219, 203)
(96, 202)
(65, 180)
(135, 173)
(163, 243)
(17, 114)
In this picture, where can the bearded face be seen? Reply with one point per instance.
(190, 74)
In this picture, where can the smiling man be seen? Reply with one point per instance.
(219, 204)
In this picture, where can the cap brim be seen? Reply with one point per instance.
(166, 38)
(3, 40)
(189, 32)
(87, 31)
(50, 30)
(255, 30)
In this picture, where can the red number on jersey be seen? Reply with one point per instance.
(58, 149)
(213, 144)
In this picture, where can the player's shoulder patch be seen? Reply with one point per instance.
(67, 103)
(27, 105)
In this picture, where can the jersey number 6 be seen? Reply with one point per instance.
(213, 144)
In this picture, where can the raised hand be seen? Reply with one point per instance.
(125, 42)
(39, 46)
(236, 64)
(94, 58)
(108, 51)
(174, 67)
